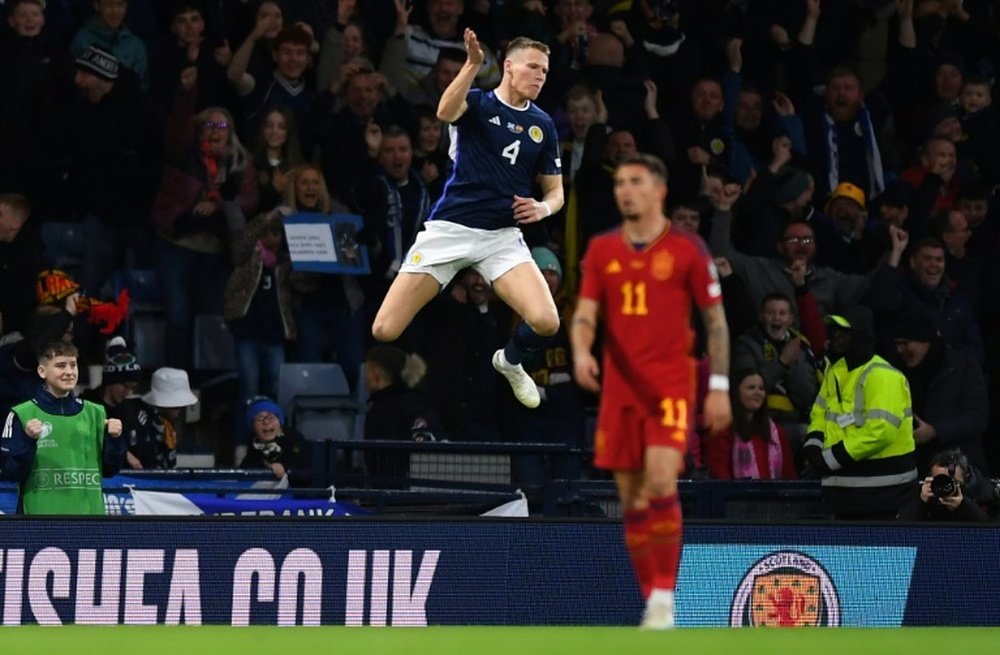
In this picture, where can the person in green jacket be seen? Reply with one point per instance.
(58, 446)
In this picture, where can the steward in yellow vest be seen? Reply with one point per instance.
(860, 436)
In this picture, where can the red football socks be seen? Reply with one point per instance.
(665, 532)
(637, 542)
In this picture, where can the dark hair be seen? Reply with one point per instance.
(388, 358)
(53, 349)
(291, 155)
(651, 163)
(796, 222)
(277, 3)
(707, 78)
(777, 295)
(294, 34)
(977, 79)
(452, 54)
(394, 131)
(928, 242)
(743, 426)
(183, 6)
(699, 204)
(941, 222)
(931, 139)
(973, 191)
(844, 71)
(404, 369)
(750, 87)
(951, 459)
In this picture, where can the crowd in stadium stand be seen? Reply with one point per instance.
(831, 154)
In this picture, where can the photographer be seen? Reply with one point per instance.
(946, 494)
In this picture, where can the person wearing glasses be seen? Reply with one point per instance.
(208, 188)
(794, 272)
(273, 445)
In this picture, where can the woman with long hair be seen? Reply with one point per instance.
(276, 152)
(754, 447)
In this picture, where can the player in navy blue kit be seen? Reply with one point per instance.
(501, 143)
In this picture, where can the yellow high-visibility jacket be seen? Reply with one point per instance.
(865, 413)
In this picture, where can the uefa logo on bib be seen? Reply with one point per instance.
(783, 589)
(43, 438)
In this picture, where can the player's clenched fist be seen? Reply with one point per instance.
(33, 428)
(114, 427)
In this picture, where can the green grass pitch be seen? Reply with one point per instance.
(221, 640)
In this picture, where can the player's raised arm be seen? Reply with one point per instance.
(718, 412)
(582, 333)
(452, 104)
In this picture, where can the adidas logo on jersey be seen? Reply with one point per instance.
(613, 267)
(496, 120)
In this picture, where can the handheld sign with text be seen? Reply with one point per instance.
(321, 243)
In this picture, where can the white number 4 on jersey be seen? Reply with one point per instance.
(512, 151)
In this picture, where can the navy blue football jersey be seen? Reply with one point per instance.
(498, 152)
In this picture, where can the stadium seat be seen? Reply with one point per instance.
(318, 400)
(143, 287)
(146, 332)
(213, 344)
(319, 404)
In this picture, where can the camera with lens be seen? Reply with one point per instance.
(944, 485)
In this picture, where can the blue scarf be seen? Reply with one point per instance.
(876, 175)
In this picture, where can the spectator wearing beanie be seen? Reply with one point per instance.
(57, 288)
(119, 380)
(106, 30)
(273, 446)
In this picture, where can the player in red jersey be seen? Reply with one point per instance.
(641, 280)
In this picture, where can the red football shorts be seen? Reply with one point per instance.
(627, 427)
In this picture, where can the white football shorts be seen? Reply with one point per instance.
(443, 248)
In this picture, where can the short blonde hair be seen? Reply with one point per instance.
(524, 43)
